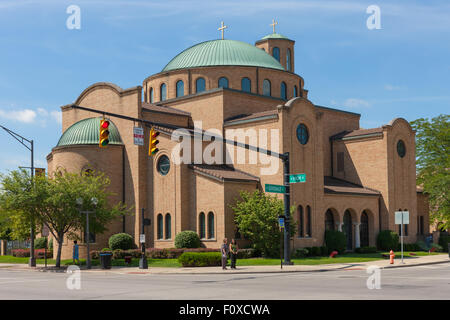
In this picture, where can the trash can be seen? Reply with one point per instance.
(105, 260)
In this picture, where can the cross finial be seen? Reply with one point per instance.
(222, 28)
(273, 24)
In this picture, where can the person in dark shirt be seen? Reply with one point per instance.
(233, 251)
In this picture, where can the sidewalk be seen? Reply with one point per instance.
(408, 262)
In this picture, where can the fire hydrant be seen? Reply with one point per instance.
(391, 256)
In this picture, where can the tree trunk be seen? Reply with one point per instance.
(58, 255)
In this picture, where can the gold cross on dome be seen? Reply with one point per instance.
(222, 28)
(273, 24)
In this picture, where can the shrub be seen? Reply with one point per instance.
(438, 248)
(187, 239)
(50, 244)
(387, 240)
(301, 253)
(246, 253)
(121, 254)
(366, 250)
(335, 240)
(315, 251)
(200, 259)
(121, 241)
(323, 251)
(25, 253)
(411, 247)
(444, 240)
(422, 246)
(39, 243)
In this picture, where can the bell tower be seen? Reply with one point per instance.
(279, 47)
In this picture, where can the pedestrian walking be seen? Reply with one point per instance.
(224, 250)
(233, 251)
(75, 254)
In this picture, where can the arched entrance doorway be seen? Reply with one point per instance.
(348, 229)
(364, 229)
(329, 220)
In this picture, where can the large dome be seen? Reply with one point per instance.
(223, 53)
(87, 131)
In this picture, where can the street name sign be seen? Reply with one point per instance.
(295, 178)
(399, 215)
(275, 188)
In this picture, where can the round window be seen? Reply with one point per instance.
(163, 165)
(302, 134)
(401, 149)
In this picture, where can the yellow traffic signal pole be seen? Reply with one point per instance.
(283, 156)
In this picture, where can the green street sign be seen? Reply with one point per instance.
(275, 188)
(294, 178)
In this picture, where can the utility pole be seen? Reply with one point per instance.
(287, 205)
(22, 140)
(143, 264)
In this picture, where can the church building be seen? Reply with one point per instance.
(356, 178)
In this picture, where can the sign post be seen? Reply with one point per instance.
(45, 232)
(401, 218)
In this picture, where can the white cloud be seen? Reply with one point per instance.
(354, 103)
(390, 87)
(25, 116)
(38, 116)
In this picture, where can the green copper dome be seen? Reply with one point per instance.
(222, 53)
(275, 36)
(87, 131)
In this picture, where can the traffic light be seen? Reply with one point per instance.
(104, 133)
(152, 149)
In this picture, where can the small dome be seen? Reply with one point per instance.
(222, 53)
(87, 131)
(275, 36)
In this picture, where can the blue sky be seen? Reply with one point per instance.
(400, 70)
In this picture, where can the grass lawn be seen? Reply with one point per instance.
(173, 263)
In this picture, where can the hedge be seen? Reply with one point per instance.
(121, 241)
(39, 243)
(200, 259)
(366, 250)
(387, 240)
(187, 239)
(153, 253)
(25, 253)
(335, 241)
(444, 240)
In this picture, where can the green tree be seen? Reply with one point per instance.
(54, 202)
(256, 216)
(433, 164)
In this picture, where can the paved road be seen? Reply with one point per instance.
(421, 282)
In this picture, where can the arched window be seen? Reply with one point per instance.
(283, 93)
(159, 226)
(301, 222)
(210, 225)
(329, 220)
(246, 85)
(168, 226)
(288, 60)
(308, 221)
(163, 92)
(223, 82)
(295, 91)
(151, 95)
(276, 53)
(364, 229)
(180, 88)
(200, 85)
(201, 226)
(266, 88)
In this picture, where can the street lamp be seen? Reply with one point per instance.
(22, 140)
(94, 201)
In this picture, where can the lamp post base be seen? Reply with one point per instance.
(32, 262)
(143, 264)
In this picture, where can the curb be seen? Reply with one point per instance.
(415, 265)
